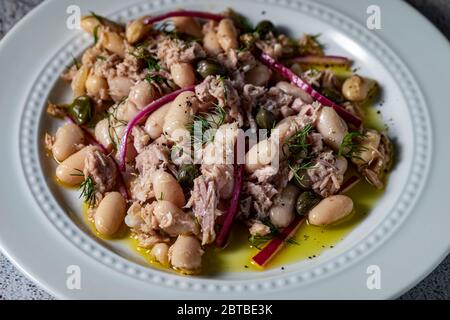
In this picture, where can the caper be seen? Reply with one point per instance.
(306, 201)
(333, 95)
(80, 110)
(265, 119)
(208, 67)
(302, 179)
(264, 27)
(186, 175)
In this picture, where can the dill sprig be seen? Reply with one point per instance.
(87, 188)
(298, 142)
(258, 241)
(207, 122)
(298, 170)
(154, 79)
(152, 62)
(351, 145)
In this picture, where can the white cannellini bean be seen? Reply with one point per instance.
(294, 91)
(211, 44)
(282, 211)
(182, 74)
(155, 122)
(188, 26)
(174, 221)
(330, 210)
(260, 155)
(103, 134)
(136, 30)
(110, 214)
(79, 81)
(126, 111)
(68, 171)
(166, 187)
(113, 42)
(94, 84)
(227, 35)
(259, 75)
(341, 164)
(186, 254)
(160, 252)
(67, 139)
(357, 88)
(89, 23)
(142, 93)
(119, 87)
(180, 112)
(331, 127)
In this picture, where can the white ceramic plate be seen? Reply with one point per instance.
(406, 236)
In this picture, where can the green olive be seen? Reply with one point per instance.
(264, 27)
(302, 179)
(186, 175)
(208, 67)
(80, 110)
(306, 201)
(333, 95)
(265, 119)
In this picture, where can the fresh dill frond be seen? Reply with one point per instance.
(209, 122)
(298, 142)
(152, 62)
(154, 79)
(87, 188)
(351, 145)
(298, 170)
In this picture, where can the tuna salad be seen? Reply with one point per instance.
(184, 125)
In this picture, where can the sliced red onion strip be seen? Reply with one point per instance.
(224, 232)
(292, 77)
(331, 60)
(192, 14)
(140, 116)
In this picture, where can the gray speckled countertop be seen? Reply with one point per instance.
(14, 285)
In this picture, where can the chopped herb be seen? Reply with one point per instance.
(161, 196)
(100, 58)
(351, 145)
(207, 122)
(142, 54)
(152, 79)
(298, 142)
(298, 168)
(87, 188)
